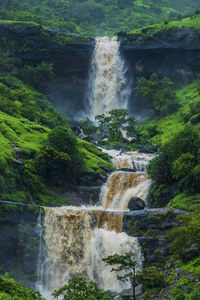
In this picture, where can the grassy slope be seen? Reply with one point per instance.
(20, 132)
(95, 17)
(167, 127)
(157, 30)
(171, 124)
(28, 136)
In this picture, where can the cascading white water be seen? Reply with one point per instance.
(77, 238)
(73, 240)
(129, 160)
(75, 243)
(108, 86)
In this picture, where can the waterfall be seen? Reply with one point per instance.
(108, 86)
(129, 160)
(75, 239)
(121, 187)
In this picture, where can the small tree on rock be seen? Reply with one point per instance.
(125, 267)
(115, 121)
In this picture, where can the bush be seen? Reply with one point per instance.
(159, 95)
(34, 75)
(60, 160)
(183, 165)
(176, 158)
(152, 278)
(11, 289)
(185, 234)
(81, 289)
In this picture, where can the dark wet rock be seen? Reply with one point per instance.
(150, 222)
(154, 249)
(120, 147)
(190, 253)
(92, 179)
(84, 195)
(136, 203)
(70, 55)
(150, 226)
(175, 39)
(152, 149)
(128, 170)
(19, 241)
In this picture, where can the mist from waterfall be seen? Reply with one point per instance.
(108, 85)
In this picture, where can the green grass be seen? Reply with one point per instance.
(19, 22)
(169, 125)
(20, 132)
(155, 31)
(186, 202)
(95, 160)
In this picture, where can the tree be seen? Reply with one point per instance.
(125, 266)
(33, 75)
(81, 289)
(183, 165)
(60, 160)
(159, 95)
(177, 157)
(11, 289)
(185, 234)
(115, 121)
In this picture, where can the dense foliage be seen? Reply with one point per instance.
(177, 163)
(81, 289)
(115, 121)
(125, 267)
(93, 16)
(158, 95)
(185, 235)
(60, 160)
(13, 290)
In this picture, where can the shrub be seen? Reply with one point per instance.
(34, 75)
(11, 289)
(60, 160)
(183, 165)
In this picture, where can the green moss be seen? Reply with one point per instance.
(95, 159)
(21, 133)
(186, 202)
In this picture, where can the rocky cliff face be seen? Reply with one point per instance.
(19, 240)
(173, 54)
(70, 54)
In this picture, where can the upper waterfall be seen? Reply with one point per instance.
(108, 86)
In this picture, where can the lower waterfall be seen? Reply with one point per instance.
(75, 239)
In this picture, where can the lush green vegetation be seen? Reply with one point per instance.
(116, 121)
(93, 16)
(31, 158)
(81, 289)
(165, 29)
(158, 95)
(13, 290)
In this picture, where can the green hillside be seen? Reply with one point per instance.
(95, 17)
(26, 121)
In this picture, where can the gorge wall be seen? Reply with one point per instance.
(174, 55)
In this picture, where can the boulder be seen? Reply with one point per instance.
(145, 149)
(136, 203)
